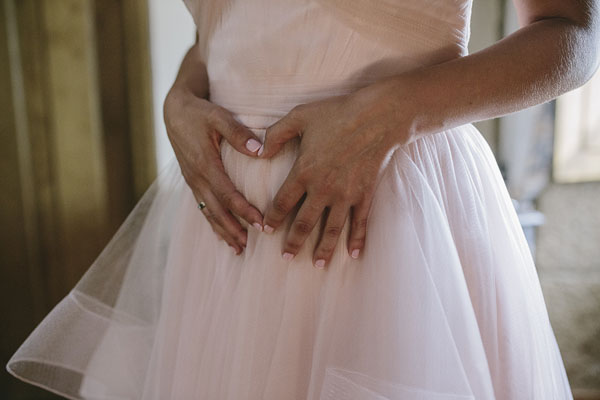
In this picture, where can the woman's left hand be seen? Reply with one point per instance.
(346, 142)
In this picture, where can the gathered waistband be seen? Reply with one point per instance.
(257, 121)
(261, 103)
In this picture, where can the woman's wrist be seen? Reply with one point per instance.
(193, 75)
(178, 98)
(395, 106)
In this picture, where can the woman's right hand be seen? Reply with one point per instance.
(195, 128)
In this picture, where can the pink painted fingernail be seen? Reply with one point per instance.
(262, 148)
(287, 256)
(320, 263)
(268, 229)
(253, 145)
(257, 226)
(355, 253)
(234, 250)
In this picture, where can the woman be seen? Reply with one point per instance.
(341, 132)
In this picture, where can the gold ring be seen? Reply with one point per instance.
(201, 205)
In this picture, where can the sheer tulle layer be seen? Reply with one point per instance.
(443, 303)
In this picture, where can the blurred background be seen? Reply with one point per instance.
(82, 136)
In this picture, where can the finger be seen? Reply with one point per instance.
(233, 232)
(239, 136)
(231, 198)
(195, 187)
(336, 218)
(220, 231)
(358, 226)
(282, 131)
(284, 201)
(303, 224)
(224, 236)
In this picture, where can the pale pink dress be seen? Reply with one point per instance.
(444, 303)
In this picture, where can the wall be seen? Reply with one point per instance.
(171, 35)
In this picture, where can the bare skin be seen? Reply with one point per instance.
(346, 140)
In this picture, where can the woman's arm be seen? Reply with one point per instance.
(192, 75)
(195, 128)
(347, 140)
(555, 51)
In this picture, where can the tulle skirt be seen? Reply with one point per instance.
(443, 303)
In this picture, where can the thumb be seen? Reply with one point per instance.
(239, 136)
(279, 134)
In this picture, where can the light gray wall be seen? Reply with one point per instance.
(171, 35)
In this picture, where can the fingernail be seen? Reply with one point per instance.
(320, 263)
(287, 256)
(253, 145)
(268, 229)
(258, 226)
(262, 148)
(355, 253)
(234, 250)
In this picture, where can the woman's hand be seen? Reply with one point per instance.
(345, 144)
(195, 127)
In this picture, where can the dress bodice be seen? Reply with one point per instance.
(265, 56)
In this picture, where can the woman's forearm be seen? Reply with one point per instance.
(541, 61)
(190, 84)
(192, 74)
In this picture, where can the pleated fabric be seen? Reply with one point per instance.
(444, 302)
